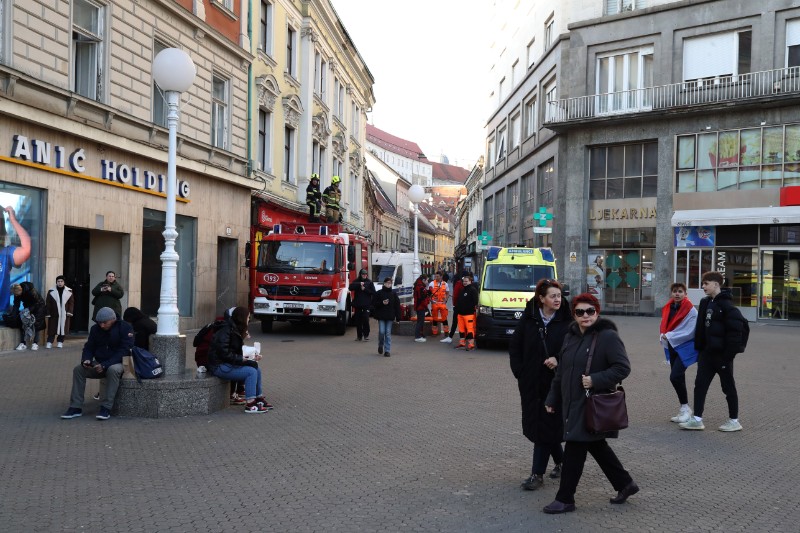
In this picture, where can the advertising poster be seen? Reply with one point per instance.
(596, 275)
(694, 237)
(20, 237)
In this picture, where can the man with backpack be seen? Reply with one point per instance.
(720, 333)
(109, 340)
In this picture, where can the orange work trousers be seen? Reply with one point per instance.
(439, 314)
(466, 326)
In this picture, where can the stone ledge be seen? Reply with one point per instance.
(188, 393)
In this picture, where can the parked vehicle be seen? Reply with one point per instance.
(400, 267)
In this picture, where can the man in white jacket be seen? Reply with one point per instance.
(678, 320)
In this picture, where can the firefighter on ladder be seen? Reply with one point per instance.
(439, 295)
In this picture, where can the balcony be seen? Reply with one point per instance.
(685, 95)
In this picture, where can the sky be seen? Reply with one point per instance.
(429, 62)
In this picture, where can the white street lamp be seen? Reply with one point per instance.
(416, 194)
(174, 73)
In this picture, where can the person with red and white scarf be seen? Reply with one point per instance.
(678, 320)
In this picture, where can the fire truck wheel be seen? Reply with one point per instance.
(266, 325)
(342, 320)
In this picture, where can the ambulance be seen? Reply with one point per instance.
(508, 281)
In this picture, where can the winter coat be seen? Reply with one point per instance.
(107, 298)
(32, 301)
(610, 365)
(527, 356)
(723, 335)
(107, 347)
(143, 326)
(59, 311)
(227, 347)
(467, 300)
(458, 288)
(422, 296)
(362, 297)
(386, 311)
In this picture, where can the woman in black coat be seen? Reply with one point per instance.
(609, 366)
(533, 349)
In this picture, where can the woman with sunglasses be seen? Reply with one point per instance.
(609, 366)
(536, 341)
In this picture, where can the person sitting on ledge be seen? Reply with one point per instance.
(109, 340)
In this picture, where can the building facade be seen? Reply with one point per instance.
(682, 130)
(84, 151)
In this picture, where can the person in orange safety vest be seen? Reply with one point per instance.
(439, 295)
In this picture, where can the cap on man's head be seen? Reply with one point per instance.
(362, 272)
(105, 314)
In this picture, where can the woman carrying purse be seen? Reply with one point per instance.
(609, 366)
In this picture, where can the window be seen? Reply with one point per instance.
(317, 158)
(501, 92)
(219, 112)
(501, 143)
(338, 168)
(354, 188)
(527, 202)
(753, 158)
(516, 132)
(512, 204)
(159, 102)
(619, 76)
(530, 117)
(720, 54)
(793, 43)
(549, 26)
(529, 52)
(356, 116)
(338, 102)
(515, 73)
(623, 171)
(320, 75)
(499, 219)
(546, 180)
(488, 219)
(549, 96)
(291, 64)
(264, 140)
(265, 28)
(3, 26)
(227, 4)
(88, 20)
(620, 6)
(288, 154)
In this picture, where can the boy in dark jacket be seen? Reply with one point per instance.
(718, 338)
(109, 340)
(422, 297)
(465, 307)
(387, 310)
(363, 290)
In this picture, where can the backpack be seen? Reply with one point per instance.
(202, 341)
(146, 365)
(745, 332)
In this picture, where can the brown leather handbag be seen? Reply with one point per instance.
(604, 411)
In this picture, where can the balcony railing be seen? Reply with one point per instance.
(677, 95)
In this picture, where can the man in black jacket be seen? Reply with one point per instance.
(363, 290)
(718, 338)
(387, 310)
(109, 340)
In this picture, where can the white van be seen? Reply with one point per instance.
(400, 267)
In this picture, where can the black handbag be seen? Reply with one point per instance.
(604, 411)
(11, 319)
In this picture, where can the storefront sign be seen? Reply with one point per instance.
(56, 157)
(624, 213)
(694, 236)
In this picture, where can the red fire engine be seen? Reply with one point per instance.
(301, 272)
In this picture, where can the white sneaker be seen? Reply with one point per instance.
(34, 346)
(448, 340)
(48, 345)
(683, 416)
(421, 339)
(692, 424)
(731, 425)
(22, 347)
(60, 345)
(201, 369)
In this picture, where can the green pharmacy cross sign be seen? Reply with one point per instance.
(484, 238)
(543, 216)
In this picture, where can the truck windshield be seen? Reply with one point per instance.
(296, 257)
(381, 272)
(515, 278)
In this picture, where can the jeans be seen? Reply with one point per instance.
(572, 467)
(361, 318)
(541, 456)
(678, 376)
(419, 329)
(385, 334)
(709, 364)
(251, 377)
(80, 374)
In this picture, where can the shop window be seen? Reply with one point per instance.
(623, 171)
(153, 246)
(21, 239)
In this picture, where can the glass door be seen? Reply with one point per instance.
(780, 283)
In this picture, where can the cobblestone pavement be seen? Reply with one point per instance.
(427, 440)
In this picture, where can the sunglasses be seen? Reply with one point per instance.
(589, 312)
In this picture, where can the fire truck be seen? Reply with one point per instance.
(300, 272)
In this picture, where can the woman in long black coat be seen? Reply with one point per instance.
(609, 366)
(533, 349)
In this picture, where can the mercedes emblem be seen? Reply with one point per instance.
(294, 291)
